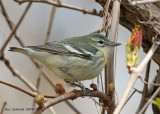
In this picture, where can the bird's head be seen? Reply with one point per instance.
(100, 41)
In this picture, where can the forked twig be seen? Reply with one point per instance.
(14, 30)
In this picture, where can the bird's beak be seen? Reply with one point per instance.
(113, 44)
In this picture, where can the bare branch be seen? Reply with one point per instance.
(130, 96)
(50, 23)
(30, 93)
(148, 102)
(73, 95)
(147, 57)
(59, 4)
(3, 107)
(145, 88)
(72, 107)
(154, 84)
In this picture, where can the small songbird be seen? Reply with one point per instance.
(80, 58)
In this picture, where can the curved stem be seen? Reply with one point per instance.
(130, 84)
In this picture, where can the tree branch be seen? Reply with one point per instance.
(59, 4)
(30, 93)
(73, 95)
(148, 102)
(3, 107)
(145, 88)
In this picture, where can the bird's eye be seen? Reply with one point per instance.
(101, 42)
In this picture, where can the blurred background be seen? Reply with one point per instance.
(67, 23)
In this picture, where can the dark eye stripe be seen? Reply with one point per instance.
(101, 42)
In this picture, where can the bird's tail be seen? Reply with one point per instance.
(16, 49)
(26, 51)
(29, 52)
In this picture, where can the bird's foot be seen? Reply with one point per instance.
(73, 83)
(81, 86)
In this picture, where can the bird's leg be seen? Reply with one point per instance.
(76, 79)
(73, 83)
(80, 85)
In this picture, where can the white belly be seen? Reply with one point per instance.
(83, 69)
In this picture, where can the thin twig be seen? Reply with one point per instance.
(72, 107)
(50, 23)
(59, 4)
(30, 93)
(14, 30)
(147, 57)
(154, 84)
(140, 92)
(143, 2)
(145, 88)
(130, 97)
(3, 107)
(148, 102)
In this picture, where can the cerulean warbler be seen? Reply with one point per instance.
(82, 57)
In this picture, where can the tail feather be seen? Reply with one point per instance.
(29, 52)
(16, 49)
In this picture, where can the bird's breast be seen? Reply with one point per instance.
(81, 68)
